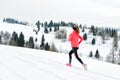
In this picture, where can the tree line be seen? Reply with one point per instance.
(14, 21)
(105, 34)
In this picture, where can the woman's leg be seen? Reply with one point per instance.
(76, 55)
(70, 56)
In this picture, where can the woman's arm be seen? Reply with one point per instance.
(81, 39)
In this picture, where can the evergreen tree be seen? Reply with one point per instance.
(21, 40)
(50, 29)
(38, 25)
(93, 41)
(47, 47)
(114, 47)
(56, 29)
(4, 20)
(80, 26)
(15, 36)
(91, 54)
(46, 30)
(46, 24)
(42, 25)
(93, 30)
(57, 24)
(115, 40)
(51, 24)
(71, 24)
(85, 36)
(0, 39)
(13, 21)
(83, 29)
(42, 42)
(113, 32)
(63, 23)
(14, 39)
(31, 42)
(103, 37)
(111, 56)
(97, 55)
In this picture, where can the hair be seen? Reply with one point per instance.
(76, 28)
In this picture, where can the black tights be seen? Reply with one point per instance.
(74, 50)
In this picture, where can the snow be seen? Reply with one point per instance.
(30, 64)
(27, 30)
(18, 63)
(63, 47)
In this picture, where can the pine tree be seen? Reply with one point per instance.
(15, 36)
(50, 29)
(38, 25)
(103, 38)
(31, 42)
(93, 41)
(51, 24)
(0, 39)
(115, 40)
(46, 30)
(21, 40)
(114, 47)
(97, 55)
(63, 23)
(85, 36)
(83, 30)
(45, 24)
(93, 30)
(91, 54)
(4, 20)
(113, 55)
(14, 39)
(80, 26)
(47, 47)
(42, 42)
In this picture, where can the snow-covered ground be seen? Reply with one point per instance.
(30, 64)
(85, 47)
(18, 63)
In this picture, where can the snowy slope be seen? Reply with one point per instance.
(64, 47)
(27, 30)
(30, 64)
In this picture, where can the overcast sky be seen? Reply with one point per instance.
(96, 12)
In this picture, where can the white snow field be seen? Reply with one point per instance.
(30, 64)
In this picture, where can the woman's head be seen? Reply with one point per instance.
(76, 28)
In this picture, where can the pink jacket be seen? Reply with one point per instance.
(75, 39)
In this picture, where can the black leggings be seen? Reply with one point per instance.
(74, 50)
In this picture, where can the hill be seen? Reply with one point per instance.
(64, 47)
(29, 64)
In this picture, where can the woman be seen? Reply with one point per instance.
(75, 40)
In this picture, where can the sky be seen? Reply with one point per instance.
(89, 12)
